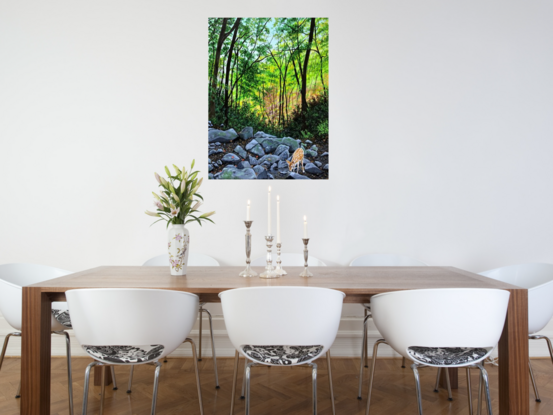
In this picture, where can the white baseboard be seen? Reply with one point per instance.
(347, 344)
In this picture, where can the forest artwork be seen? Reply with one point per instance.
(268, 98)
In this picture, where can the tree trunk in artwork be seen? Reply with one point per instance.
(305, 65)
(229, 61)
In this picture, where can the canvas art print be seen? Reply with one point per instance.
(268, 98)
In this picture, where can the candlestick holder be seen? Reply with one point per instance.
(278, 268)
(305, 273)
(269, 269)
(248, 272)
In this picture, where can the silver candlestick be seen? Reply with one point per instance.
(248, 272)
(305, 273)
(278, 268)
(269, 269)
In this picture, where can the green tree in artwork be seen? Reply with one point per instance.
(270, 74)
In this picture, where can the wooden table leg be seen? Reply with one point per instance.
(453, 378)
(514, 389)
(98, 376)
(35, 352)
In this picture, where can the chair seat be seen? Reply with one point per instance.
(282, 355)
(446, 356)
(125, 354)
(62, 317)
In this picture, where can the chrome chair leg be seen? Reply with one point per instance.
(533, 381)
(373, 365)
(243, 394)
(469, 391)
(199, 386)
(363, 356)
(213, 348)
(479, 408)
(129, 390)
(449, 395)
(69, 376)
(200, 314)
(156, 384)
(484, 374)
(234, 378)
(86, 386)
(330, 382)
(366, 339)
(113, 378)
(436, 387)
(103, 390)
(418, 386)
(247, 377)
(4, 348)
(314, 381)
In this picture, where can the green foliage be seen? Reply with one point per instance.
(179, 200)
(322, 128)
(310, 120)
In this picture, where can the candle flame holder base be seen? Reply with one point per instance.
(278, 268)
(305, 273)
(248, 272)
(269, 269)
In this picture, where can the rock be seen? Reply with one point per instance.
(210, 168)
(318, 163)
(284, 155)
(291, 143)
(211, 152)
(325, 167)
(210, 176)
(269, 158)
(241, 152)
(297, 176)
(244, 174)
(231, 158)
(253, 160)
(219, 162)
(217, 144)
(324, 154)
(251, 144)
(308, 142)
(266, 164)
(314, 148)
(257, 150)
(219, 150)
(258, 169)
(261, 134)
(269, 145)
(311, 168)
(246, 133)
(209, 124)
(281, 148)
(217, 136)
(270, 176)
(274, 166)
(240, 165)
(263, 175)
(246, 164)
(282, 165)
(310, 153)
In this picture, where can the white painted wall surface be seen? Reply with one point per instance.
(440, 135)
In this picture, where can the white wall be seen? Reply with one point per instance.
(440, 133)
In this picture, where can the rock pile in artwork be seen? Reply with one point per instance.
(247, 156)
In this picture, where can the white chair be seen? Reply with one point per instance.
(290, 260)
(277, 326)
(134, 327)
(538, 279)
(381, 260)
(194, 260)
(446, 339)
(12, 279)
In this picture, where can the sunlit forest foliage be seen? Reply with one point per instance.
(270, 74)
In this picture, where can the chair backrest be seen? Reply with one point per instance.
(13, 277)
(385, 260)
(132, 317)
(283, 316)
(444, 317)
(289, 260)
(194, 260)
(538, 279)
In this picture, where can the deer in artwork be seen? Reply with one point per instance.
(297, 158)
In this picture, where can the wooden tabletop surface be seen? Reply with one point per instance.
(358, 283)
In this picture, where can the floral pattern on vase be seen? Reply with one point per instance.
(178, 244)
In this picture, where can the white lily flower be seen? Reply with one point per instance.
(174, 212)
(155, 215)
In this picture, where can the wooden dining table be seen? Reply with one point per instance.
(358, 283)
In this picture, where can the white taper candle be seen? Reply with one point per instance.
(305, 227)
(248, 211)
(278, 219)
(269, 213)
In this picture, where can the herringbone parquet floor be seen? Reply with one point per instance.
(275, 391)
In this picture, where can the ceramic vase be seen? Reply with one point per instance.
(178, 242)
